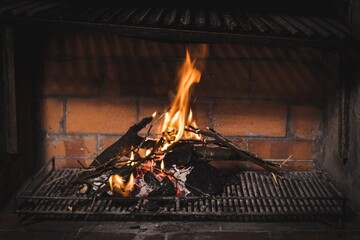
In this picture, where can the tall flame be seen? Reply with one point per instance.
(179, 114)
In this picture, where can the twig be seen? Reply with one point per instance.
(82, 165)
(281, 164)
(158, 119)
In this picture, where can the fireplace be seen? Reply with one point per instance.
(283, 88)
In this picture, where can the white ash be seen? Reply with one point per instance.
(99, 181)
(180, 175)
(145, 189)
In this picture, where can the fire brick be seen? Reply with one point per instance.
(72, 162)
(303, 53)
(154, 79)
(82, 146)
(106, 141)
(203, 114)
(290, 165)
(55, 147)
(100, 115)
(70, 77)
(51, 114)
(250, 118)
(147, 107)
(246, 51)
(223, 79)
(286, 80)
(71, 146)
(272, 149)
(306, 122)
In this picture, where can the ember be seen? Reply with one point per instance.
(136, 166)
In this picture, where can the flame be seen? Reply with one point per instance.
(162, 165)
(132, 157)
(179, 116)
(117, 184)
(131, 160)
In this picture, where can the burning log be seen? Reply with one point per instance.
(176, 164)
(124, 145)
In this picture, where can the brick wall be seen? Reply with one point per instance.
(269, 100)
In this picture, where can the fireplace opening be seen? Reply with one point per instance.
(283, 117)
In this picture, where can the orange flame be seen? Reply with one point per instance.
(131, 160)
(118, 185)
(179, 115)
(162, 165)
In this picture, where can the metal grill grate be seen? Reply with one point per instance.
(256, 196)
(207, 23)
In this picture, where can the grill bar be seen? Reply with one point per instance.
(256, 196)
(222, 23)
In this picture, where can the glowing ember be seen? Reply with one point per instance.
(179, 116)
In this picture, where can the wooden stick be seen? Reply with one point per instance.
(226, 142)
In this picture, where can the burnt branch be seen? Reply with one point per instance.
(112, 155)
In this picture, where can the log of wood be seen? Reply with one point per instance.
(242, 153)
(124, 145)
(223, 153)
(112, 154)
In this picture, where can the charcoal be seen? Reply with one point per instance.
(166, 189)
(151, 180)
(179, 155)
(205, 178)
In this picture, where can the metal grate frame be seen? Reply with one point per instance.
(299, 196)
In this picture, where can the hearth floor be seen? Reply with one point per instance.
(174, 230)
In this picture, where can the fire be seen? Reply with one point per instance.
(162, 165)
(131, 160)
(175, 122)
(180, 115)
(118, 185)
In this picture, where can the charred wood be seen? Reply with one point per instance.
(205, 178)
(242, 153)
(166, 189)
(124, 145)
(179, 155)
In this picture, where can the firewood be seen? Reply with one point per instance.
(112, 154)
(215, 153)
(242, 153)
(124, 145)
